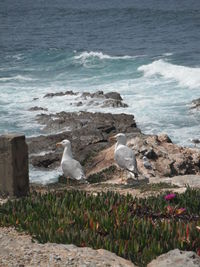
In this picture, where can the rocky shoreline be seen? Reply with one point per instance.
(89, 134)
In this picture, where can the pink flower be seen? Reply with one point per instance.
(170, 196)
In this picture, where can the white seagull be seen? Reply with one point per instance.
(124, 156)
(71, 167)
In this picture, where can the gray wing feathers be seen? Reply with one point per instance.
(73, 169)
(125, 158)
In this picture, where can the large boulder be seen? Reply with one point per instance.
(176, 258)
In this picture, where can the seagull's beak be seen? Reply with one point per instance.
(58, 144)
(112, 138)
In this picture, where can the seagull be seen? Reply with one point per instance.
(124, 156)
(146, 163)
(71, 167)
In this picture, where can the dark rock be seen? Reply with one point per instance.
(114, 104)
(151, 154)
(111, 99)
(113, 95)
(196, 104)
(37, 108)
(195, 141)
(79, 104)
(88, 132)
(35, 98)
(60, 94)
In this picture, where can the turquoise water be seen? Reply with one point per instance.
(157, 91)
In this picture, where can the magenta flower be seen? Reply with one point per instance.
(170, 196)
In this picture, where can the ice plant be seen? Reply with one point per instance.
(198, 228)
(188, 233)
(180, 211)
(170, 209)
(170, 196)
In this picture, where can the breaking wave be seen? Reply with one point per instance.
(99, 55)
(185, 76)
(17, 77)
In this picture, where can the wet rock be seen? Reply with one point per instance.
(176, 258)
(50, 95)
(111, 99)
(196, 104)
(80, 103)
(98, 94)
(114, 104)
(37, 108)
(195, 141)
(113, 95)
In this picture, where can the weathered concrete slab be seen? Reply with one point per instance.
(184, 180)
(14, 179)
(180, 180)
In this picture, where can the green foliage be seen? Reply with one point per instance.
(154, 187)
(102, 176)
(136, 229)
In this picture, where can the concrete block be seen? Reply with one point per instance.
(14, 177)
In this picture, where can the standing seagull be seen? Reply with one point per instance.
(71, 167)
(124, 156)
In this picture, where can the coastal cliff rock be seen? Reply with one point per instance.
(88, 133)
(99, 98)
(166, 159)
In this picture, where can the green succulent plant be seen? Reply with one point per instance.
(133, 228)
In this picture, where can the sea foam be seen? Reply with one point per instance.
(185, 76)
(17, 77)
(87, 55)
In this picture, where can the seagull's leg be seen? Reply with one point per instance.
(128, 175)
(136, 176)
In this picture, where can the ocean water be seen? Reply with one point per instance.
(148, 51)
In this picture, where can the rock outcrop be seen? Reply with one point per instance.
(18, 250)
(176, 258)
(196, 104)
(99, 98)
(88, 132)
(166, 158)
(35, 108)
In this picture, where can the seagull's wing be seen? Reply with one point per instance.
(125, 158)
(73, 169)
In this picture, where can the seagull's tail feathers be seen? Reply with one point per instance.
(134, 173)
